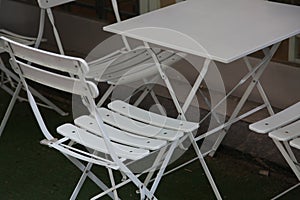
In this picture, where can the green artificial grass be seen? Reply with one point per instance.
(31, 171)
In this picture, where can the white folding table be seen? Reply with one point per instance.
(218, 30)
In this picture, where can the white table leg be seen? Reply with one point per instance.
(255, 79)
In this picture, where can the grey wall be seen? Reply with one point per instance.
(79, 35)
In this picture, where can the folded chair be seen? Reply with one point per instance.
(108, 69)
(10, 83)
(284, 129)
(115, 137)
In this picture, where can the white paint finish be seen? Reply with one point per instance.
(222, 30)
(148, 5)
(52, 3)
(295, 143)
(287, 133)
(152, 118)
(273, 122)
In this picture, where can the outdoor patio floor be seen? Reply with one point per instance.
(32, 171)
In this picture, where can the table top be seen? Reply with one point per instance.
(222, 30)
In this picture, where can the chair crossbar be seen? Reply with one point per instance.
(82, 155)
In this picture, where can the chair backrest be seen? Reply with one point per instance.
(50, 69)
(48, 4)
(52, 3)
(61, 72)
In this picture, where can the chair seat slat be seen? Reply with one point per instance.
(287, 132)
(295, 143)
(278, 120)
(152, 118)
(95, 142)
(137, 127)
(90, 124)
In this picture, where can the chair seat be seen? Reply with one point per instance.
(92, 141)
(134, 135)
(138, 127)
(295, 143)
(88, 123)
(152, 118)
(280, 119)
(122, 68)
(286, 133)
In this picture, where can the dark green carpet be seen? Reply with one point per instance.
(31, 171)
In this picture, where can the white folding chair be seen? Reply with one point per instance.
(115, 137)
(10, 82)
(284, 128)
(109, 69)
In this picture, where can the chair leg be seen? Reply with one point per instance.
(10, 107)
(288, 159)
(81, 181)
(92, 176)
(163, 166)
(142, 96)
(113, 183)
(205, 167)
(56, 34)
(154, 166)
(48, 103)
(3, 74)
(286, 191)
(105, 95)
